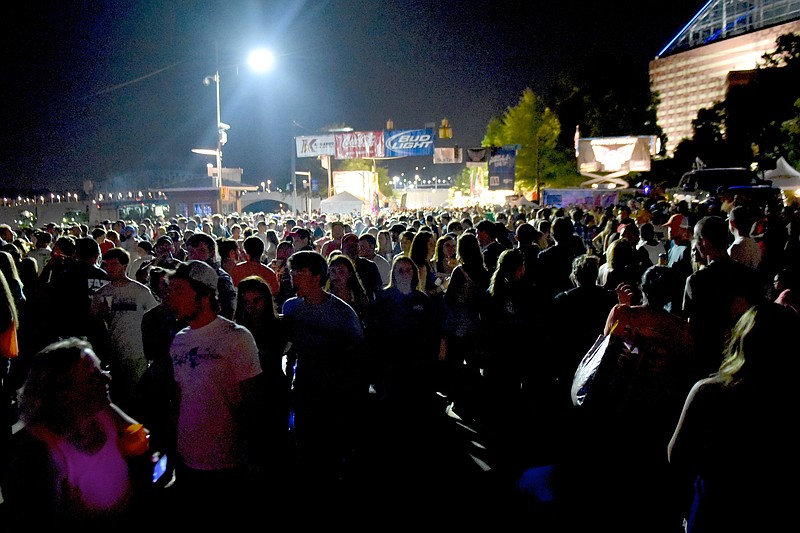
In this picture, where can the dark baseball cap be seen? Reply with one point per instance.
(303, 233)
(349, 237)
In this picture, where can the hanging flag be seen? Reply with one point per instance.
(502, 165)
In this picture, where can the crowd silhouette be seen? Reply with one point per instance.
(409, 366)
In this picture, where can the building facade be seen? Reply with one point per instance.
(726, 36)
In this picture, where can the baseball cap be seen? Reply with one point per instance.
(349, 237)
(303, 233)
(677, 221)
(200, 272)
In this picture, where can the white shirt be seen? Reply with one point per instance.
(384, 267)
(746, 251)
(653, 250)
(210, 362)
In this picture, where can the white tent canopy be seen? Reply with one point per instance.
(784, 176)
(343, 203)
(522, 201)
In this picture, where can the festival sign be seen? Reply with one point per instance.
(359, 145)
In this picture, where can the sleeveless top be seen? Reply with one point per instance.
(96, 484)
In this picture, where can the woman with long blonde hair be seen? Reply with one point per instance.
(734, 444)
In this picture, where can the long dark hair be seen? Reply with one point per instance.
(253, 284)
(266, 328)
(468, 252)
(507, 264)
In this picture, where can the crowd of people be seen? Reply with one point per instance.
(400, 364)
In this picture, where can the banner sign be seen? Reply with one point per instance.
(615, 154)
(359, 145)
(447, 155)
(585, 198)
(314, 145)
(400, 143)
(502, 164)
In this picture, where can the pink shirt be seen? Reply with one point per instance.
(100, 482)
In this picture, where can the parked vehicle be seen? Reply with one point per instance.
(704, 184)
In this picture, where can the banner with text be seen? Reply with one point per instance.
(502, 164)
(359, 145)
(402, 143)
(314, 145)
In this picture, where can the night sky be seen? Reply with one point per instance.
(99, 89)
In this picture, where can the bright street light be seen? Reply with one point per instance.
(261, 60)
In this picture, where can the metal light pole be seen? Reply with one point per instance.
(294, 193)
(220, 131)
(221, 128)
(307, 180)
(260, 60)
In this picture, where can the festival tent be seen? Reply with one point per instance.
(784, 176)
(522, 200)
(343, 203)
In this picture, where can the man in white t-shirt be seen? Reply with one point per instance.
(120, 304)
(217, 373)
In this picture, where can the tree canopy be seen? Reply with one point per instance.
(533, 126)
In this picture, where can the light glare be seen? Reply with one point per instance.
(261, 60)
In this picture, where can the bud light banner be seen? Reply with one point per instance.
(502, 164)
(401, 143)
